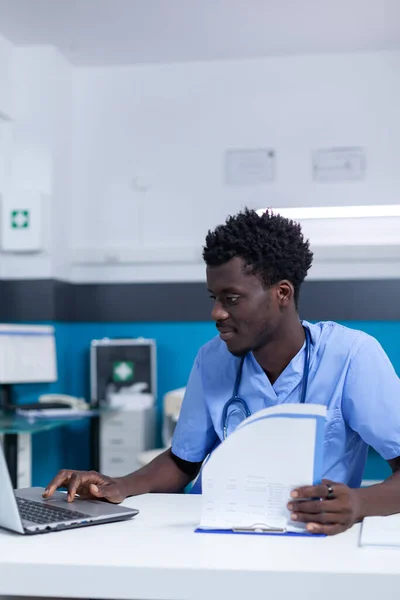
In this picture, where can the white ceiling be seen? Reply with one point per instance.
(120, 32)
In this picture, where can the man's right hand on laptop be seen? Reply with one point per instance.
(87, 485)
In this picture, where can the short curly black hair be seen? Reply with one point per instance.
(272, 246)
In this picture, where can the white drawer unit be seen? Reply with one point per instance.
(119, 462)
(128, 428)
(122, 428)
(123, 436)
(123, 379)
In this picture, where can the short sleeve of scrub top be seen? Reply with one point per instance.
(194, 435)
(371, 399)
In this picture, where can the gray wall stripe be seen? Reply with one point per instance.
(52, 300)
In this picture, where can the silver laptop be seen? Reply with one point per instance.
(25, 511)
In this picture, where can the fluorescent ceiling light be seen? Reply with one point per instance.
(336, 212)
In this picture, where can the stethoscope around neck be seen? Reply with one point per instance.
(242, 404)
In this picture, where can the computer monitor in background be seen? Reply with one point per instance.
(27, 354)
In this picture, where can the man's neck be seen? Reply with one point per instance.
(275, 356)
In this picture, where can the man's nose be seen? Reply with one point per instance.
(218, 312)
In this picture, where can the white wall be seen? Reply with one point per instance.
(62, 149)
(169, 126)
(6, 97)
(38, 146)
(5, 78)
(130, 160)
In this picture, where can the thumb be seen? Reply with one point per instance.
(105, 491)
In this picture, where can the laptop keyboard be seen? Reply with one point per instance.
(40, 513)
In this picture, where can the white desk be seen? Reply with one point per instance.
(157, 556)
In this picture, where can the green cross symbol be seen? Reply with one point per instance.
(123, 371)
(19, 219)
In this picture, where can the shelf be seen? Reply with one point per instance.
(11, 423)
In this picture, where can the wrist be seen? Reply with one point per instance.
(123, 487)
(133, 485)
(373, 501)
(360, 505)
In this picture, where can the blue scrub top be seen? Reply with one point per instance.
(349, 373)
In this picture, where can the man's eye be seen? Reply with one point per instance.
(232, 299)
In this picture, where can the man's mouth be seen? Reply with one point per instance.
(226, 334)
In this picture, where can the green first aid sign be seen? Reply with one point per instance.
(123, 371)
(20, 219)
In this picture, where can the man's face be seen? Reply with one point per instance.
(245, 312)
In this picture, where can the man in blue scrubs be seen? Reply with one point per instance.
(255, 268)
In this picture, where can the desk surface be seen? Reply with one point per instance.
(157, 555)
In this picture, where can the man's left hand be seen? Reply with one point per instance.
(332, 507)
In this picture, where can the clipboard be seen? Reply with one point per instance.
(236, 477)
(260, 530)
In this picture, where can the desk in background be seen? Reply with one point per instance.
(158, 556)
(15, 434)
(125, 435)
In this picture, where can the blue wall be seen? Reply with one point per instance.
(177, 345)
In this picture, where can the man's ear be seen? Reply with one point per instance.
(285, 293)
